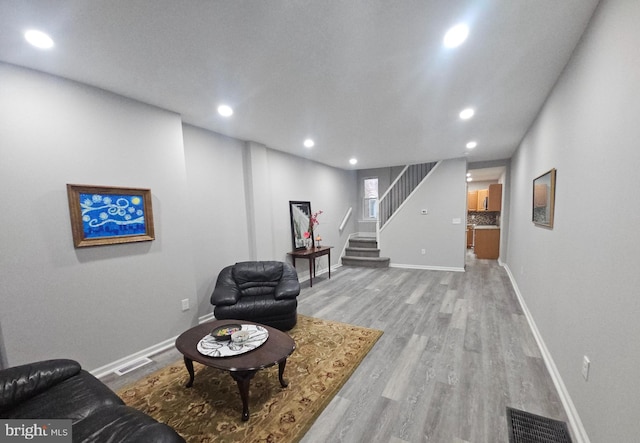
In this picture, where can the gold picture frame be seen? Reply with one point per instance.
(544, 196)
(108, 215)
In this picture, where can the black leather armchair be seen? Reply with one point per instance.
(259, 291)
(61, 389)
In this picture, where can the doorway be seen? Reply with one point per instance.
(485, 191)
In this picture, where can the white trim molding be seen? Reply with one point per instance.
(145, 353)
(577, 428)
(426, 268)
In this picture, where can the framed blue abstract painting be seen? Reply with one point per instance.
(102, 215)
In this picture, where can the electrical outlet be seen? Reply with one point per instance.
(585, 367)
(185, 304)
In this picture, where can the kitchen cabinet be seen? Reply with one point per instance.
(495, 197)
(472, 201)
(469, 237)
(482, 195)
(487, 242)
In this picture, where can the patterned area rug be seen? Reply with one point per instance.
(326, 355)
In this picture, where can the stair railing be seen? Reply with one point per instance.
(401, 188)
(345, 219)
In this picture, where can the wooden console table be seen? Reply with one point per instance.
(311, 255)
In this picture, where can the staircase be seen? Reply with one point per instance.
(401, 189)
(364, 252)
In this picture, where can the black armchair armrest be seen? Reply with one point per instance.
(226, 292)
(20, 383)
(289, 286)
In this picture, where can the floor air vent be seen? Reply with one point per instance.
(530, 428)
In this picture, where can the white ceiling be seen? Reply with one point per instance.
(363, 78)
(487, 174)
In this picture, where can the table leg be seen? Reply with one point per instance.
(243, 378)
(189, 364)
(329, 263)
(281, 366)
(310, 275)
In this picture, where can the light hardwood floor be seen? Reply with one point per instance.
(456, 350)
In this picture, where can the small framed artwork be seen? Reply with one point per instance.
(544, 193)
(107, 215)
(300, 213)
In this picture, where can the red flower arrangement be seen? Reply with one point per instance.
(313, 221)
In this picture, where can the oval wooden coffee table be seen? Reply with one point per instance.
(242, 367)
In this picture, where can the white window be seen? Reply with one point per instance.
(370, 210)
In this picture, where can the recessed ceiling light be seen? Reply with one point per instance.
(353, 161)
(225, 111)
(468, 174)
(308, 143)
(469, 179)
(472, 145)
(38, 39)
(456, 35)
(466, 114)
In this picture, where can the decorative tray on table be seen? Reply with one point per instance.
(211, 346)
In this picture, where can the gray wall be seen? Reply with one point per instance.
(328, 189)
(444, 195)
(3, 360)
(219, 232)
(580, 280)
(93, 304)
(216, 201)
(242, 191)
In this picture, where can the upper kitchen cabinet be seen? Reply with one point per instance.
(485, 199)
(472, 201)
(495, 197)
(483, 195)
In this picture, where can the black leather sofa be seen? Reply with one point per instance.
(259, 291)
(61, 389)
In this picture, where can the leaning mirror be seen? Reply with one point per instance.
(300, 213)
(544, 191)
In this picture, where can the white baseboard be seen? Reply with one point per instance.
(168, 343)
(577, 428)
(145, 353)
(148, 352)
(205, 318)
(426, 268)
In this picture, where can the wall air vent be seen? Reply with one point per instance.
(131, 366)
